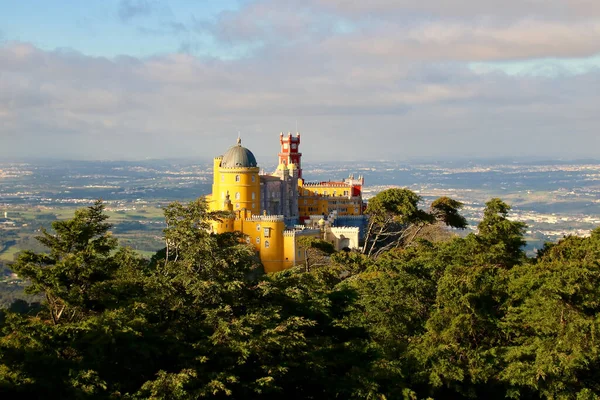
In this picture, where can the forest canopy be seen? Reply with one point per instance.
(408, 316)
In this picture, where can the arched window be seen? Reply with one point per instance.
(237, 178)
(258, 240)
(266, 244)
(253, 195)
(253, 178)
(237, 195)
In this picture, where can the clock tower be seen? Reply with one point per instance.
(289, 153)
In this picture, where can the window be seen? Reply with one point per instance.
(258, 227)
(257, 240)
(237, 205)
(266, 244)
(305, 201)
(334, 192)
(253, 178)
(222, 178)
(237, 195)
(267, 232)
(285, 145)
(253, 195)
(222, 195)
(345, 193)
(248, 240)
(324, 192)
(237, 178)
(253, 205)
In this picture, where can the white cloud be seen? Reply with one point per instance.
(397, 82)
(180, 105)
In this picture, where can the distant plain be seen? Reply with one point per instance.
(554, 198)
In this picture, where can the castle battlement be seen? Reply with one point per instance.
(345, 229)
(326, 184)
(356, 217)
(266, 218)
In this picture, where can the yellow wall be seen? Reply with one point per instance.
(243, 185)
(324, 198)
(278, 249)
(256, 231)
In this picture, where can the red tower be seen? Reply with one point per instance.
(289, 153)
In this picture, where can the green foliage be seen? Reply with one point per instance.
(460, 347)
(464, 318)
(503, 238)
(317, 252)
(446, 210)
(553, 321)
(198, 322)
(79, 259)
(395, 219)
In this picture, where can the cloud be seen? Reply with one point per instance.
(545, 9)
(461, 30)
(130, 9)
(377, 79)
(77, 106)
(165, 28)
(527, 39)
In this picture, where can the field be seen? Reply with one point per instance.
(136, 226)
(554, 198)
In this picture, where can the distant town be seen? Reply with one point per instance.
(554, 199)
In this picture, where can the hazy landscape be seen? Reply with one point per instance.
(554, 198)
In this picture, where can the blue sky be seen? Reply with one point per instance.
(378, 79)
(109, 28)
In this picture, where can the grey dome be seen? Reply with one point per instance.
(238, 157)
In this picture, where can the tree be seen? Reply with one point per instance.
(79, 260)
(552, 321)
(458, 353)
(200, 323)
(317, 252)
(502, 238)
(395, 219)
(188, 226)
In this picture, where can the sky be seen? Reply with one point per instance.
(361, 80)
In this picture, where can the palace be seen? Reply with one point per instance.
(275, 210)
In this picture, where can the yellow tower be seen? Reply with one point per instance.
(236, 176)
(237, 189)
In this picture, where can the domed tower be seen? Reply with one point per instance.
(236, 173)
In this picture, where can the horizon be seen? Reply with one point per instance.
(417, 160)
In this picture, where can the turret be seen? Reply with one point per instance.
(290, 153)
